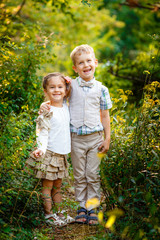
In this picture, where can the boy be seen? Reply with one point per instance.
(88, 98)
(89, 112)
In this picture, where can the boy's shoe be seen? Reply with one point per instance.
(94, 218)
(54, 220)
(66, 217)
(82, 210)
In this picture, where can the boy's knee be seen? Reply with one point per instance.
(92, 177)
(80, 178)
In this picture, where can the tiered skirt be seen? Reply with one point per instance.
(50, 166)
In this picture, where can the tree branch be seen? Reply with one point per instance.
(140, 6)
(127, 77)
(132, 78)
(20, 8)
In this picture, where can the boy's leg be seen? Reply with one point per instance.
(78, 157)
(92, 169)
(92, 166)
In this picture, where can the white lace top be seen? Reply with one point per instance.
(54, 130)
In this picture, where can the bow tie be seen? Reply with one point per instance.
(86, 84)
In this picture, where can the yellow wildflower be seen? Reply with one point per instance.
(110, 221)
(146, 72)
(128, 92)
(117, 212)
(120, 91)
(124, 98)
(92, 203)
(100, 155)
(100, 216)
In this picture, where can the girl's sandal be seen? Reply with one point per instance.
(66, 217)
(54, 220)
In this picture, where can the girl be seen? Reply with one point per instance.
(49, 159)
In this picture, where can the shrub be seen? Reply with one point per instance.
(21, 96)
(130, 170)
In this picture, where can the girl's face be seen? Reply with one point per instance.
(56, 91)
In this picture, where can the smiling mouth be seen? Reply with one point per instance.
(87, 71)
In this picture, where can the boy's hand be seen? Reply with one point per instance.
(37, 153)
(104, 147)
(44, 106)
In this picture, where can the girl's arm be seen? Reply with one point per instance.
(43, 126)
(42, 141)
(44, 106)
(37, 153)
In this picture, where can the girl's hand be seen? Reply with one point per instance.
(37, 153)
(44, 106)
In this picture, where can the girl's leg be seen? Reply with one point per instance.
(57, 199)
(47, 193)
(56, 192)
(47, 186)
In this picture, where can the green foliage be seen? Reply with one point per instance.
(130, 171)
(37, 37)
(21, 95)
(134, 47)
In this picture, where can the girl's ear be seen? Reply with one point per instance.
(45, 92)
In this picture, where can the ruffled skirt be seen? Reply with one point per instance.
(50, 166)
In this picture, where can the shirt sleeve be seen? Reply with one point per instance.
(105, 100)
(42, 128)
(42, 139)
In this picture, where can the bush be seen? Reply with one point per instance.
(130, 171)
(22, 95)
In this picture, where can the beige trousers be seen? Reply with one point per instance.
(85, 163)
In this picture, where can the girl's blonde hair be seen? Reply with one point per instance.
(48, 77)
(79, 50)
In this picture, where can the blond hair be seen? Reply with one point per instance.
(48, 77)
(84, 48)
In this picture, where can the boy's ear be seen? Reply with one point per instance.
(96, 62)
(74, 68)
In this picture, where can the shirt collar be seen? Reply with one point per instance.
(79, 79)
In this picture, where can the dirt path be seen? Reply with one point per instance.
(73, 231)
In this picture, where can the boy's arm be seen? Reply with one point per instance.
(104, 147)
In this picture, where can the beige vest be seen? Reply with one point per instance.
(85, 106)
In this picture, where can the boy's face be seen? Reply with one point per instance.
(85, 65)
